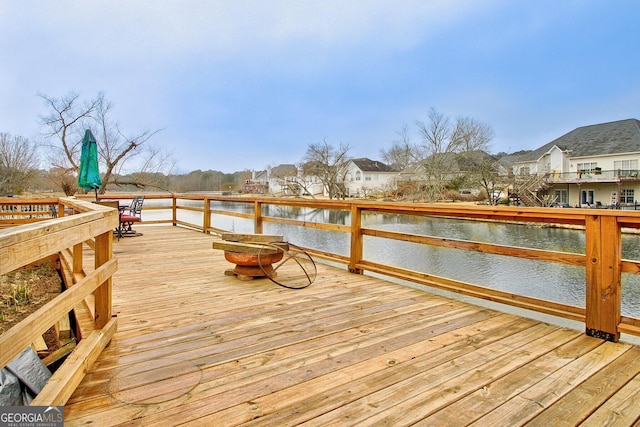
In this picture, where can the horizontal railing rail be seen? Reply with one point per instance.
(16, 211)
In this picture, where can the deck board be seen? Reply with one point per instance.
(195, 346)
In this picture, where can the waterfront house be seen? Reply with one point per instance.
(591, 166)
(364, 176)
(257, 184)
(283, 180)
(310, 182)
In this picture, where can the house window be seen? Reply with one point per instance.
(358, 176)
(587, 197)
(367, 178)
(562, 197)
(627, 196)
(587, 167)
(525, 170)
(626, 167)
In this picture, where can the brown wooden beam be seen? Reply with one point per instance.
(603, 277)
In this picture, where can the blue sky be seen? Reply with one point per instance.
(241, 84)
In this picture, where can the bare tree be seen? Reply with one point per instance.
(329, 165)
(471, 135)
(402, 152)
(65, 122)
(67, 119)
(448, 151)
(18, 163)
(302, 184)
(482, 170)
(485, 171)
(439, 150)
(63, 178)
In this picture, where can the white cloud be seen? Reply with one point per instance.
(171, 30)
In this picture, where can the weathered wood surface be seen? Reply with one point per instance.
(252, 238)
(197, 347)
(251, 248)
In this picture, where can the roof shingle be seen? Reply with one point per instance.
(622, 136)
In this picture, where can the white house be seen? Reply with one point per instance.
(283, 180)
(364, 176)
(257, 184)
(289, 180)
(594, 165)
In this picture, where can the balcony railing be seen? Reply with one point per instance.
(593, 176)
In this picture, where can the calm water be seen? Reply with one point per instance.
(551, 281)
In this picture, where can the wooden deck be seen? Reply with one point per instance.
(197, 347)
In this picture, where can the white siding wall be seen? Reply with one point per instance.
(604, 162)
(358, 181)
(556, 160)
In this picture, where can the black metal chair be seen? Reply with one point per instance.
(130, 215)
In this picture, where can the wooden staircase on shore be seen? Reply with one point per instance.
(529, 189)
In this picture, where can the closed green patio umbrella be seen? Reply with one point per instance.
(89, 174)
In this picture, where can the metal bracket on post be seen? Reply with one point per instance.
(607, 336)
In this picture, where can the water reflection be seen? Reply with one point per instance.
(528, 236)
(330, 216)
(519, 276)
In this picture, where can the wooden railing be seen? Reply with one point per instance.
(31, 238)
(602, 258)
(18, 211)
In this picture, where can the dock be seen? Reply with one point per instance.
(197, 347)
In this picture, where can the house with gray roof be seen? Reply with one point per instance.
(364, 176)
(591, 166)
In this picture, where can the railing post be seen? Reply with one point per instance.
(257, 217)
(603, 277)
(103, 253)
(355, 254)
(206, 224)
(78, 270)
(174, 210)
